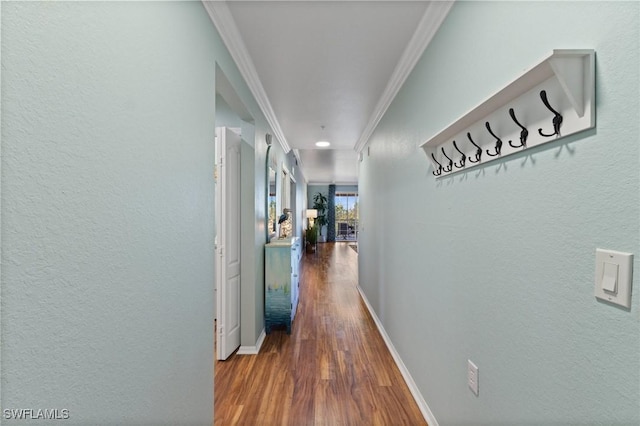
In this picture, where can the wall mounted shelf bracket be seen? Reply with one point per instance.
(554, 99)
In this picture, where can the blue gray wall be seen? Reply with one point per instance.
(108, 118)
(107, 210)
(497, 265)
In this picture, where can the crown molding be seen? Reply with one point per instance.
(299, 166)
(429, 24)
(222, 19)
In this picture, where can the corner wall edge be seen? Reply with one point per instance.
(253, 350)
(413, 388)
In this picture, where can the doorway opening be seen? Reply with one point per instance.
(234, 218)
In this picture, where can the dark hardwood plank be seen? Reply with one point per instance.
(334, 369)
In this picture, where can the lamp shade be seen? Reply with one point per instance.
(312, 213)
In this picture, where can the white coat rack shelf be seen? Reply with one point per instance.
(554, 99)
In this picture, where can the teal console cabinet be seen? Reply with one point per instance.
(282, 268)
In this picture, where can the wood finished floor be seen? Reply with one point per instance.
(334, 369)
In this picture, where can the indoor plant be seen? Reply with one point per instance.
(311, 237)
(320, 203)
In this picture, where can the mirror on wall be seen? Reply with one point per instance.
(271, 204)
(286, 218)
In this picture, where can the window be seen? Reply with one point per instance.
(346, 216)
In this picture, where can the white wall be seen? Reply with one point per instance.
(497, 265)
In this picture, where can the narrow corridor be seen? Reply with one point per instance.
(334, 369)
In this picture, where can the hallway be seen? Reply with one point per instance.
(334, 368)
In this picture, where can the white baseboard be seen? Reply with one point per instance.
(252, 350)
(413, 388)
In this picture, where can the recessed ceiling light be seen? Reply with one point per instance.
(322, 144)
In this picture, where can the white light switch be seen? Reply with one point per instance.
(610, 277)
(614, 274)
(472, 377)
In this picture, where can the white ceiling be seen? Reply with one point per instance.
(335, 64)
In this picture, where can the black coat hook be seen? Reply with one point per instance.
(557, 118)
(498, 141)
(439, 171)
(462, 159)
(478, 150)
(524, 133)
(450, 165)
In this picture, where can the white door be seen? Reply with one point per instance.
(227, 241)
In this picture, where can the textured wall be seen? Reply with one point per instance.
(107, 210)
(496, 265)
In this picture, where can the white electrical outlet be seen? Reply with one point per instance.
(472, 377)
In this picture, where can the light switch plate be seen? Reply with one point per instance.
(472, 377)
(606, 272)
